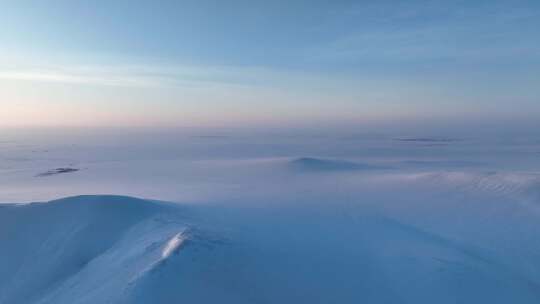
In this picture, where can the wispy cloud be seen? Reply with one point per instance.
(171, 76)
(136, 75)
(408, 33)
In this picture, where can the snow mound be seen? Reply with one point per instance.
(319, 164)
(90, 248)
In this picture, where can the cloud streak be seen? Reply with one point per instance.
(140, 76)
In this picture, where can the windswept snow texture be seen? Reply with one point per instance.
(343, 218)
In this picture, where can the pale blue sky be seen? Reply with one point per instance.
(267, 62)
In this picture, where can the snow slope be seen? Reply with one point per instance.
(112, 249)
(269, 219)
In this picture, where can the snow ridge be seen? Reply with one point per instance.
(173, 245)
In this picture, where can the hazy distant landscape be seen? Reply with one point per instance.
(182, 165)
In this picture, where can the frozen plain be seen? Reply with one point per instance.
(234, 217)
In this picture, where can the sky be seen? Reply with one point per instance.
(275, 63)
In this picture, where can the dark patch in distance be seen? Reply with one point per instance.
(57, 171)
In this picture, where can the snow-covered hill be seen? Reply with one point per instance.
(112, 249)
(84, 249)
